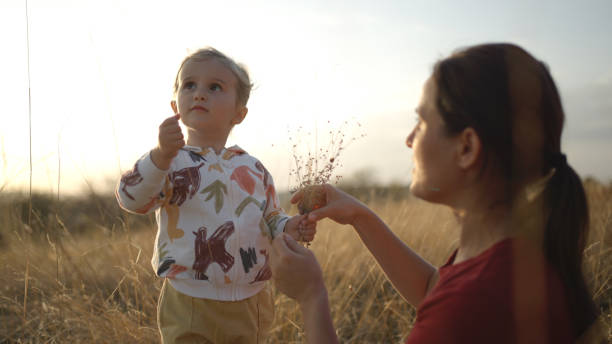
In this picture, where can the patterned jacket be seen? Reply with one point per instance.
(216, 215)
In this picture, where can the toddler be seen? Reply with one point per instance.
(216, 210)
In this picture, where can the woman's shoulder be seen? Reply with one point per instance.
(510, 289)
(493, 276)
(512, 281)
(477, 282)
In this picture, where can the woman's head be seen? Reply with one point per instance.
(501, 108)
(243, 85)
(509, 99)
(501, 103)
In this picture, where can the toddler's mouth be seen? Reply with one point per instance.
(199, 107)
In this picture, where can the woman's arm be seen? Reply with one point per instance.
(318, 324)
(297, 274)
(410, 274)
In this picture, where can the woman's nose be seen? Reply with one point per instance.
(409, 139)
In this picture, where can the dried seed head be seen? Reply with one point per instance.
(317, 166)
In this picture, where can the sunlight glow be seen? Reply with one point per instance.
(102, 74)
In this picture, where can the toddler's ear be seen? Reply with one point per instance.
(173, 106)
(240, 115)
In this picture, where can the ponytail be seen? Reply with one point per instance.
(565, 238)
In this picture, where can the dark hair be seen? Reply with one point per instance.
(499, 90)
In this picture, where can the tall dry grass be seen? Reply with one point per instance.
(97, 286)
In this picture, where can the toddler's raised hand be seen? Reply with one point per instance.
(170, 140)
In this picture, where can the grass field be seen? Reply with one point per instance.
(80, 273)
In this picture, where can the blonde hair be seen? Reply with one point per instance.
(244, 86)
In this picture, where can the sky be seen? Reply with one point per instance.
(101, 72)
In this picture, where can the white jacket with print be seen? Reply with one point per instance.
(215, 214)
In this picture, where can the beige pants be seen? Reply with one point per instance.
(185, 319)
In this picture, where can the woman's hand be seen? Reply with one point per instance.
(295, 270)
(339, 206)
(297, 274)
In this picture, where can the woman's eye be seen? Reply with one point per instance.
(418, 122)
(215, 87)
(189, 85)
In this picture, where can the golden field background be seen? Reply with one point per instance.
(80, 272)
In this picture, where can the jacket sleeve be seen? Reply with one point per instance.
(274, 215)
(141, 190)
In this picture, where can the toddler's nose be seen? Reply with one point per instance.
(200, 97)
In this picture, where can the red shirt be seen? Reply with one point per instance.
(496, 297)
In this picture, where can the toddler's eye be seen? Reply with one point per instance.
(215, 87)
(189, 85)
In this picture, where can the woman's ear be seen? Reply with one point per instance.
(240, 115)
(469, 148)
(173, 106)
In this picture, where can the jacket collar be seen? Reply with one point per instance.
(231, 151)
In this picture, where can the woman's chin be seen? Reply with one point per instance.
(416, 189)
(426, 193)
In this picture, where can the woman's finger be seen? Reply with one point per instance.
(293, 245)
(284, 247)
(321, 213)
(297, 196)
(279, 246)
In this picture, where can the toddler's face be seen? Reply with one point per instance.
(206, 99)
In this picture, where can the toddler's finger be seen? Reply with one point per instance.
(307, 221)
(176, 135)
(171, 126)
(168, 126)
(309, 229)
(307, 234)
(308, 238)
(169, 135)
(171, 119)
(305, 224)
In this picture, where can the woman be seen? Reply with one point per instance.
(487, 144)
